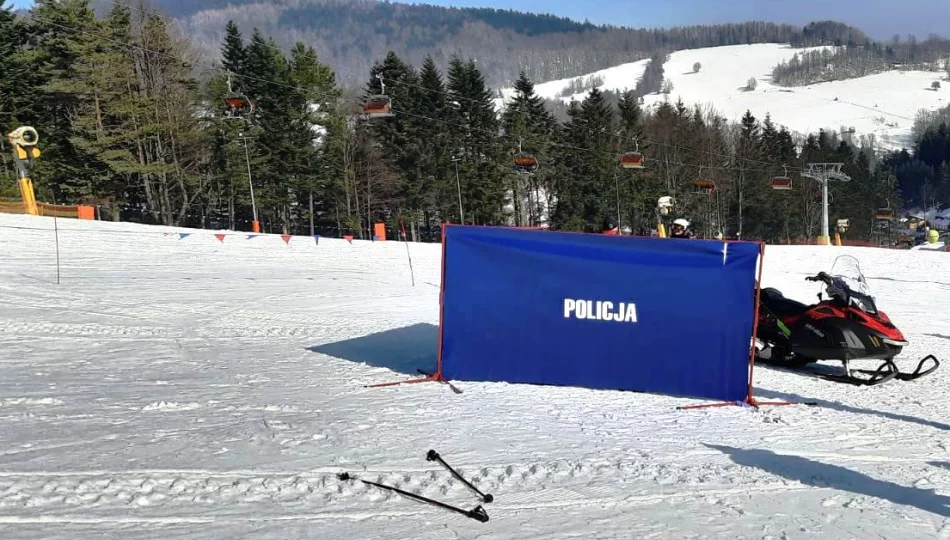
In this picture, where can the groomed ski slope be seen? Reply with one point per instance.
(191, 388)
(884, 104)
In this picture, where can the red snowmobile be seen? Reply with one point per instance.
(846, 327)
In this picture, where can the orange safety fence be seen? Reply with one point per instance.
(51, 210)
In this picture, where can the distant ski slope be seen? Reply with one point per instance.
(883, 104)
(191, 388)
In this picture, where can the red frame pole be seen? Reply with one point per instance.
(437, 376)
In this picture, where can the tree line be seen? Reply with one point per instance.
(352, 35)
(132, 121)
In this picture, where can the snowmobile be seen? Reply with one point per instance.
(847, 327)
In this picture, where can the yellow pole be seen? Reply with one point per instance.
(24, 140)
(29, 197)
(824, 240)
(837, 238)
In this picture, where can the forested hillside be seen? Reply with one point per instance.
(349, 35)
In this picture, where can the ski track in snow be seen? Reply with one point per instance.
(199, 389)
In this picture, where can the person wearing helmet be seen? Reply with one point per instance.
(681, 229)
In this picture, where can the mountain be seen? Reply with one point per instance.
(351, 35)
(880, 106)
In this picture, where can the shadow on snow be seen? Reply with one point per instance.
(403, 350)
(823, 475)
(769, 394)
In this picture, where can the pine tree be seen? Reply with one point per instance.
(527, 120)
(435, 162)
(475, 129)
(747, 152)
(234, 55)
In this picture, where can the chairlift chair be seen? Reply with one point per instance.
(884, 214)
(379, 105)
(524, 162)
(781, 183)
(238, 104)
(631, 160)
(704, 185)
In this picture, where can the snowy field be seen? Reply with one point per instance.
(197, 389)
(884, 104)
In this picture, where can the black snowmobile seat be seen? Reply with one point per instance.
(775, 301)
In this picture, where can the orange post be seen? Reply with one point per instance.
(379, 232)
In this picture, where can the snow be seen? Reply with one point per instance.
(617, 78)
(190, 388)
(884, 104)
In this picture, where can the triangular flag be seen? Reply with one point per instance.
(252, 236)
(316, 239)
(183, 235)
(286, 238)
(348, 238)
(220, 237)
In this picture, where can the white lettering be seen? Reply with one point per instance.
(569, 305)
(600, 310)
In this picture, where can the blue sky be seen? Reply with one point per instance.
(879, 18)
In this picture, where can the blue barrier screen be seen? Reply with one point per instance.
(664, 316)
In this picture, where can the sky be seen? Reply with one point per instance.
(880, 19)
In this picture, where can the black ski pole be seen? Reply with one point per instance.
(478, 513)
(434, 456)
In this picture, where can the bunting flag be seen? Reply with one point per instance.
(252, 236)
(220, 237)
(316, 239)
(348, 238)
(182, 236)
(286, 238)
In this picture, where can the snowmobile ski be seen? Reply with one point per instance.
(434, 456)
(920, 372)
(452, 386)
(478, 513)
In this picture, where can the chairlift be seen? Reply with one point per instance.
(781, 183)
(885, 213)
(632, 160)
(238, 104)
(379, 105)
(704, 185)
(524, 162)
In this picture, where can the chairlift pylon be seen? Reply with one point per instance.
(379, 105)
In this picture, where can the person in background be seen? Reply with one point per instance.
(681, 229)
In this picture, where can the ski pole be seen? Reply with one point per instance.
(478, 513)
(434, 456)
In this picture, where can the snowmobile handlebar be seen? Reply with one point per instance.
(822, 276)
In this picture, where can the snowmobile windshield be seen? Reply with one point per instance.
(849, 283)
